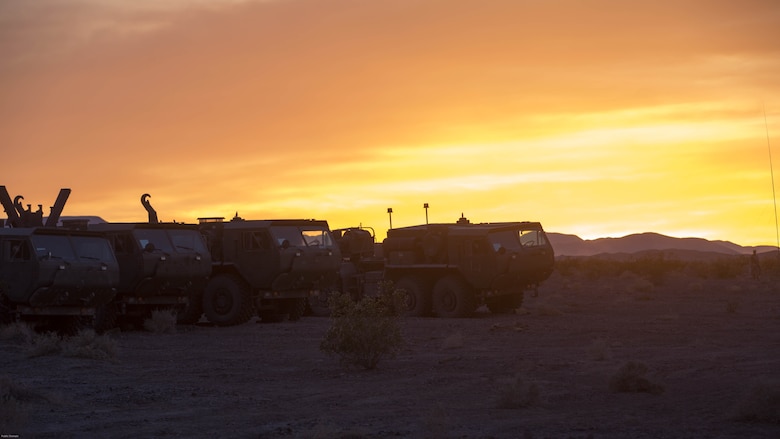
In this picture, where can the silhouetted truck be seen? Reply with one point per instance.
(61, 276)
(161, 265)
(268, 267)
(450, 269)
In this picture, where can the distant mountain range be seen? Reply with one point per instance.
(573, 245)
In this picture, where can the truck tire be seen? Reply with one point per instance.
(418, 297)
(452, 297)
(227, 301)
(504, 304)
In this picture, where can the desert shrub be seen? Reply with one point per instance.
(630, 379)
(162, 321)
(14, 404)
(47, 343)
(85, 344)
(364, 332)
(518, 393)
(761, 403)
(18, 332)
(88, 344)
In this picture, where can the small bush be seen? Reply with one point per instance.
(85, 344)
(14, 402)
(163, 321)
(18, 332)
(48, 343)
(366, 331)
(630, 379)
(761, 403)
(88, 344)
(518, 393)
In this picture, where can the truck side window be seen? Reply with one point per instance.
(255, 240)
(16, 250)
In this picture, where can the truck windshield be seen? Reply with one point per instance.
(88, 247)
(510, 239)
(302, 236)
(156, 237)
(187, 240)
(54, 246)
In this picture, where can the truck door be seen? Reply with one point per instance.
(18, 268)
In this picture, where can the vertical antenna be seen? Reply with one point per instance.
(772, 175)
(390, 214)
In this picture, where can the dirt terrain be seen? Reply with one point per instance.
(711, 349)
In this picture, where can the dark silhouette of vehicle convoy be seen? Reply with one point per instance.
(72, 272)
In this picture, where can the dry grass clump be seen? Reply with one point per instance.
(364, 332)
(518, 393)
(630, 379)
(761, 403)
(163, 321)
(19, 332)
(88, 344)
(48, 343)
(84, 344)
(14, 402)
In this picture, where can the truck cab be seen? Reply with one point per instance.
(50, 272)
(451, 269)
(268, 267)
(161, 265)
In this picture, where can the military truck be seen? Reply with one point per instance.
(449, 270)
(162, 266)
(61, 278)
(267, 267)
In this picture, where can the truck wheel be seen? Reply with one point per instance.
(504, 304)
(191, 313)
(453, 298)
(418, 298)
(227, 301)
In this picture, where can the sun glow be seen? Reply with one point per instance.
(599, 126)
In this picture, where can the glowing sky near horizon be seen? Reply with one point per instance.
(596, 118)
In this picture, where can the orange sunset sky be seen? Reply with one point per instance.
(596, 118)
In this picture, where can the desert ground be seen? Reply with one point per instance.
(706, 354)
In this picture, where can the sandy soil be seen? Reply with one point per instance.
(705, 342)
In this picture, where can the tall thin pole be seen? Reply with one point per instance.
(390, 214)
(772, 175)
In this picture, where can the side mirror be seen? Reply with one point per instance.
(149, 247)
